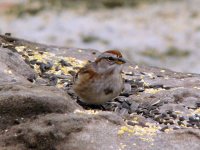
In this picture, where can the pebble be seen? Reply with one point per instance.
(155, 112)
(156, 86)
(164, 128)
(163, 115)
(194, 119)
(57, 68)
(125, 105)
(125, 94)
(166, 118)
(166, 87)
(44, 67)
(134, 106)
(169, 112)
(131, 123)
(31, 78)
(140, 89)
(189, 125)
(53, 81)
(33, 62)
(197, 104)
(123, 112)
(176, 128)
(8, 34)
(160, 121)
(181, 118)
(169, 122)
(127, 87)
(64, 63)
(173, 115)
(16, 122)
(117, 109)
(159, 76)
(180, 122)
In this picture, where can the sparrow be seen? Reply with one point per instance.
(100, 81)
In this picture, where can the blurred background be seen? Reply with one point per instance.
(163, 33)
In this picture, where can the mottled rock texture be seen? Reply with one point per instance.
(38, 109)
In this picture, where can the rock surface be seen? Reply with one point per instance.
(38, 109)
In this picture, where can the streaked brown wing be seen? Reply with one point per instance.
(87, 69)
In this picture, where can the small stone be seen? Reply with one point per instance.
(64, 63)
(8, 34)
(117, 109)
(127, 90)
(41, 52)
(131, 123)
(125, 105)
(176, 128)
(197, 115)
(181, 118)
(123, 112)
(155, 112)
(157, 117)
(159, 76)
(125, 94)
(170, 122)
(53, 81)
(140, 89)
(31, 78)
(197, 104)
(180, 122)
(57, 68)
(16, 122)
(33, 62)
(156, 86)
(139, 111)
(193, 119)
(164, 128)
(173, 115)
(134, 106)
(189, 125)
(145, 111)
(169, 112)
(129, 73)
(44, 67)
(166, 118)
(166, 87)
(164, 115)
(161, 121)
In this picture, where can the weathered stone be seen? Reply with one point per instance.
(13, 68)
(42, 117)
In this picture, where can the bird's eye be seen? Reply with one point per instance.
(110, 58)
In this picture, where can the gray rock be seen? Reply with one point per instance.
(13, 68)
(24, 101)
(41, 117)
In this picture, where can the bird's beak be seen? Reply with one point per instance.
(120, 61)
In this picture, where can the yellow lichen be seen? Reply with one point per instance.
(46, 57)
(153, 91)
(20, 48)
(89, 112)
(139, 130)
(197, 111)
